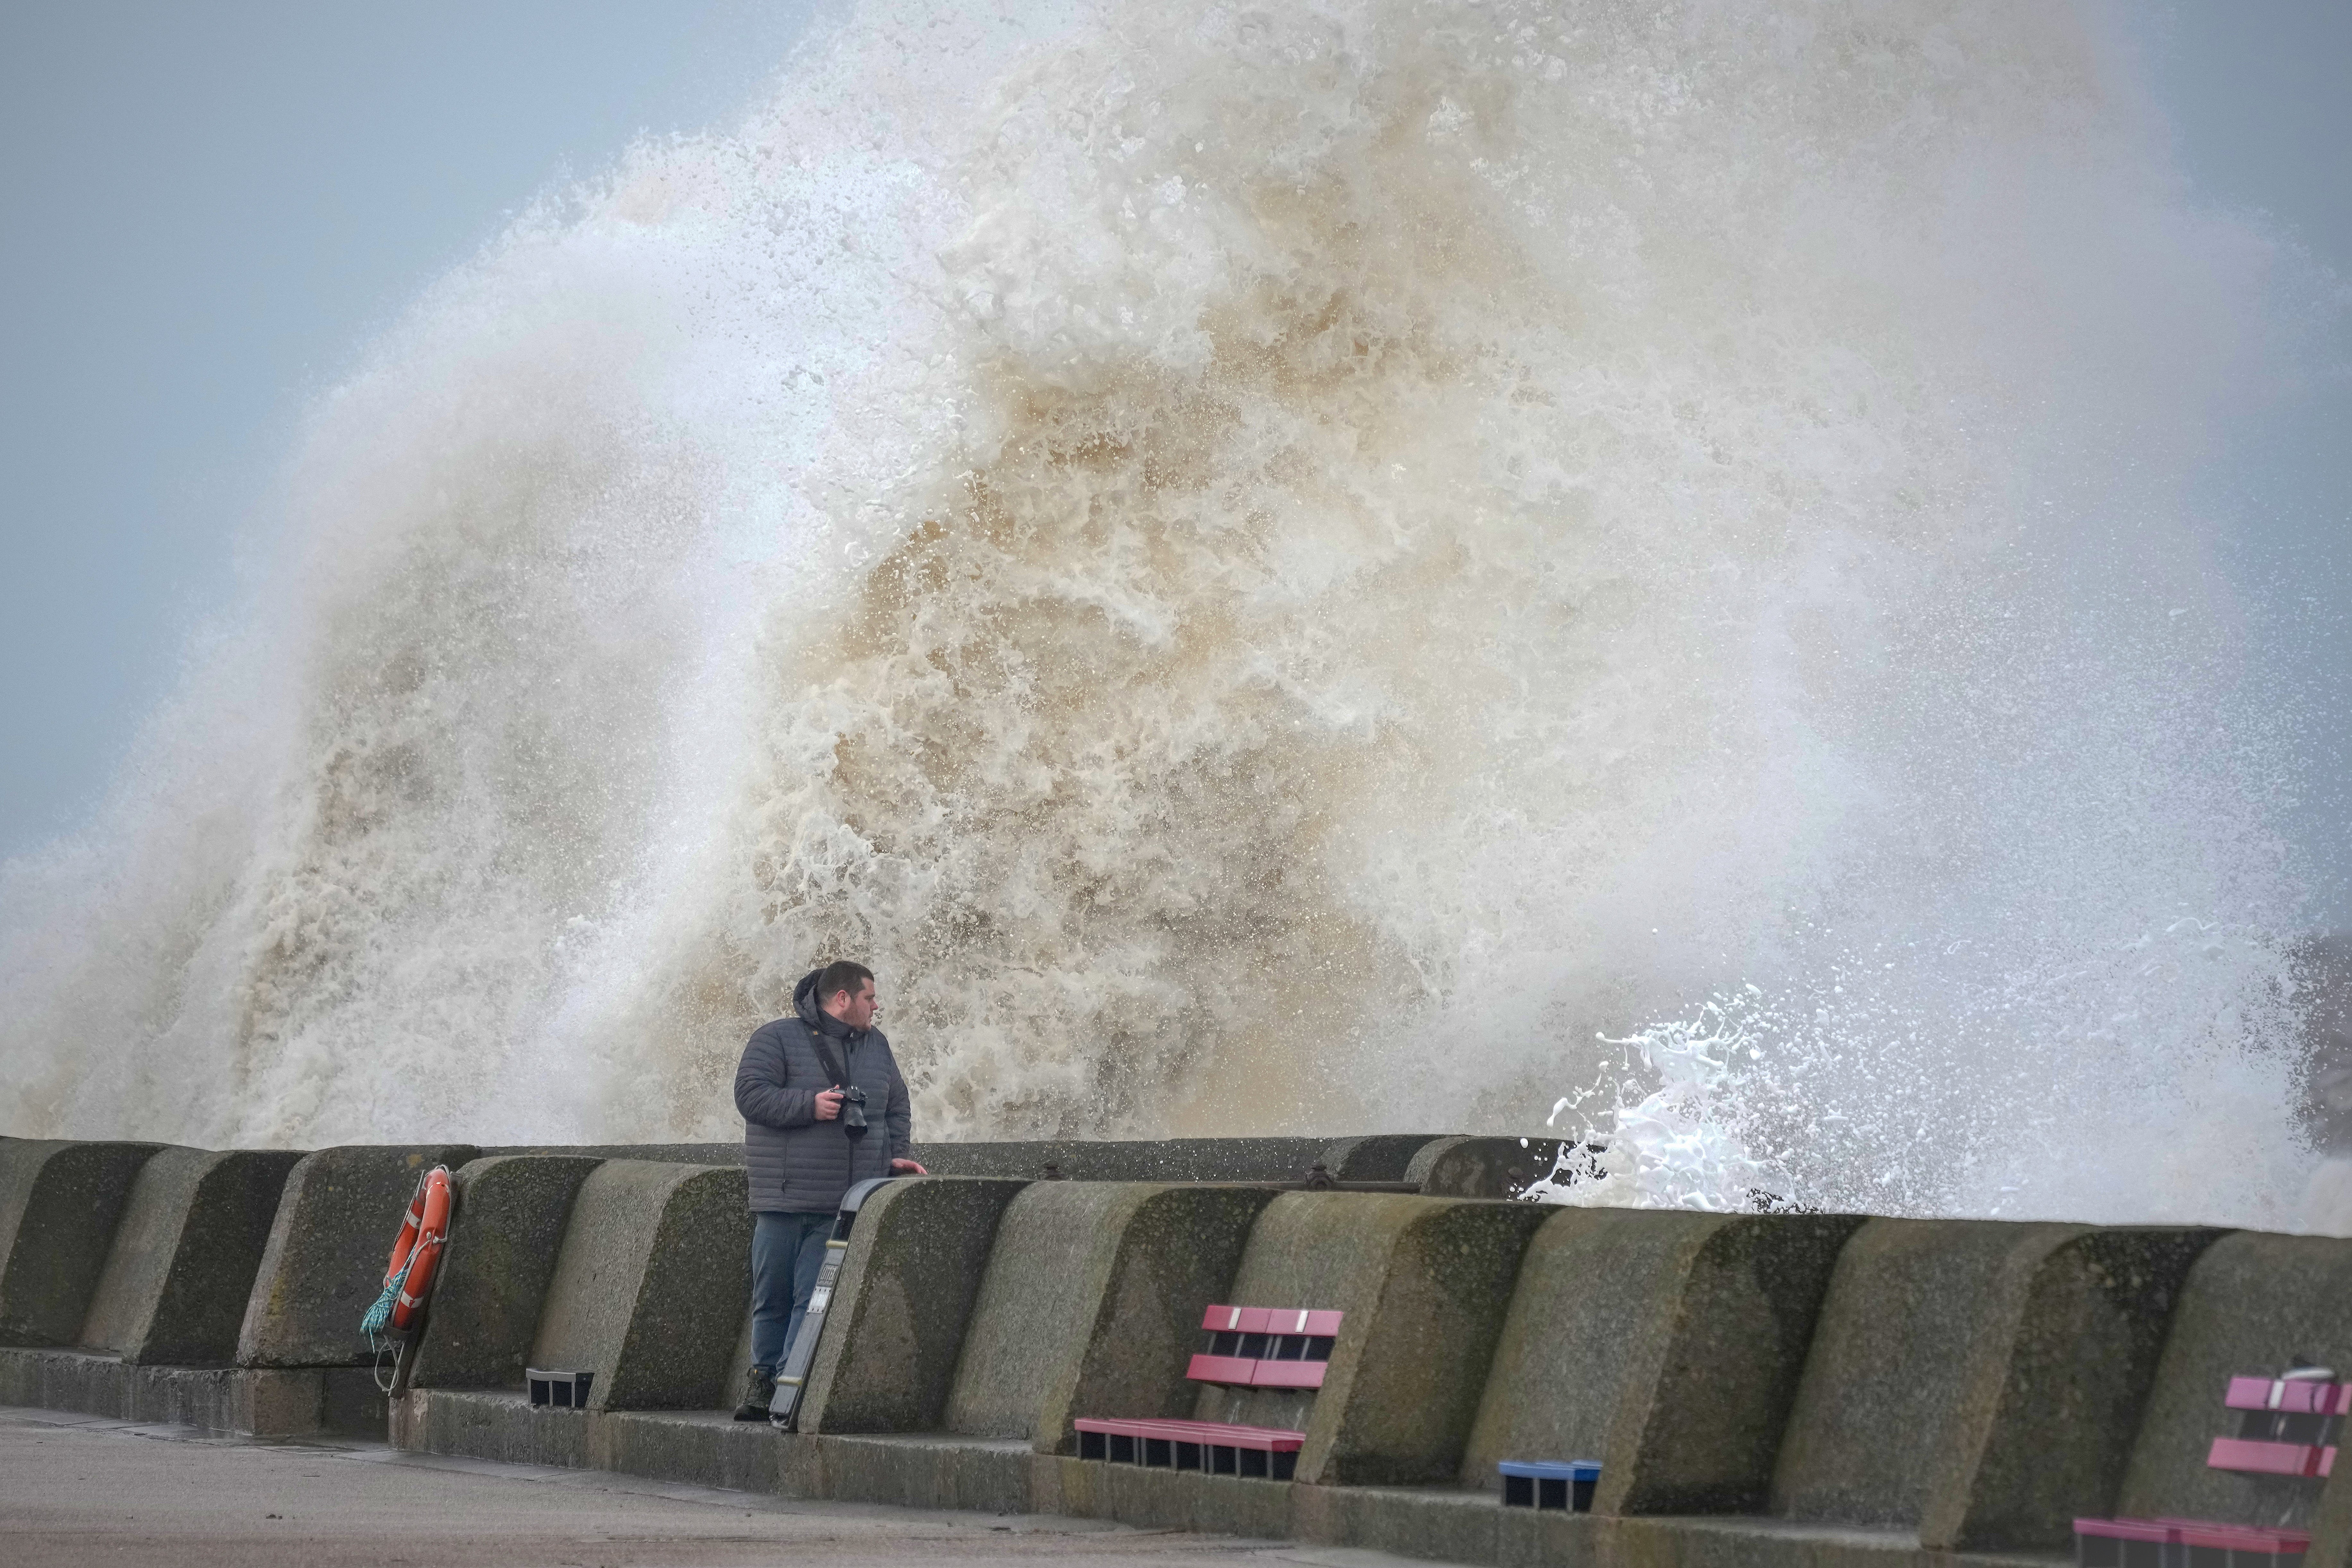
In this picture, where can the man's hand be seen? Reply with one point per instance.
(828, 1104)
(907, 1168)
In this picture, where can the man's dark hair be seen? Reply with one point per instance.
(841, 975)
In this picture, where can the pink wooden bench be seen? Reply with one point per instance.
(2287, 1425)
(1242, 1347)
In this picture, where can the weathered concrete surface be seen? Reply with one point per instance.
(59, 1204)
(1378, 1157)
(1978, 1380)
(2253, 1304)
(2072, 1387)
(1426, 1283)
(653, 1277)
(659, 1153)
(1481, 1167)
(888, 1355)
(1667, 1345)
(186, 1255)
(267, 1402)
(324, 1266)
(1448, 1526)
(1153, 1160)
(508, 1232)
(1163, 1500)
(1091, 1304)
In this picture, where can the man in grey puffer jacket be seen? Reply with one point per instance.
(803, 1153)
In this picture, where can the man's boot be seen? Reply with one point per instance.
(759, 1387)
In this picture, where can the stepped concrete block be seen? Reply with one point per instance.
(650, 1284)
(887, 1357)
(1142, 1159)
(2255, 1303)
(1979, 1381)
(323, 1267)
(505, 1237)
(1424, 1284)
(1160, 1499)
(700, 1448)
(185, 1256)
(1091, 1304)
(706, 1449)
(269, 1401)
(59, 1205)
(496, 1424)
(2071, 1391)
(1380, 1157)
(1481, 1167)
(918, 1471)
(1449, 1526)
(1668, 1345)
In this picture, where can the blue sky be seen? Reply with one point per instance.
(211, 210)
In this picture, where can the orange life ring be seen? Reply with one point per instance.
(424, 1231)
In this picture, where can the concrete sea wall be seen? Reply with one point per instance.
(1795, 1389)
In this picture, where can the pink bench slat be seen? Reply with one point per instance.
(2293, 1396)
(1270, 1320)
(2269, 1458)
(2197, 1532)
(1208, 1434)
(1285, 1373)
(2244, 1538)
(1230, 1369)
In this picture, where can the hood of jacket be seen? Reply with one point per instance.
(805, 1008)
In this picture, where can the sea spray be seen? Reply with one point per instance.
(1270, 570)
(2113, 1084)
(1679, 1145)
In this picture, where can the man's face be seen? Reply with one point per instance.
(855, 1008)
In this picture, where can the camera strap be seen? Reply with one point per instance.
(831, 1066)
(827, 1060)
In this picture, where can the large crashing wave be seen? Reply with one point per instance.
(1270, 569)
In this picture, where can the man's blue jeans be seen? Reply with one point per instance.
(787, 1250)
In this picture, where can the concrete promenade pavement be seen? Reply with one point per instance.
(83, 1490)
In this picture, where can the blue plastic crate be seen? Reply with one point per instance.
(1549, 1483)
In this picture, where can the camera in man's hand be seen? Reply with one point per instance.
(853, 1110)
